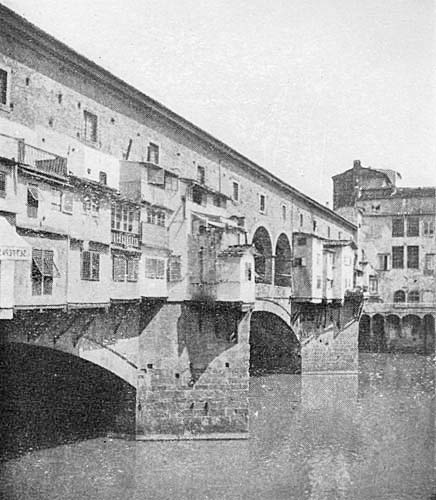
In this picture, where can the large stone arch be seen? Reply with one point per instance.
(52, 397)
(263, 263)
(274, 346)
(282, 268)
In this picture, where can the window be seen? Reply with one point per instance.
(124, 267)
(383, 261)
(175, 268)
(235, 192)
(56, 199)
(397, 257)
(339, 235)
(314, 226)
(198, 195)
(201, 174)
(283, 213)
(124, 218)
(262, 203)
(373, 284)
(429, 261)
(171, 182)
(32, 201)
(155, 268)
(156, 176)
(86, 204)
(318, 282)
(412, 226)
(153, 153)
(397, 226)
(90, 126)
(67, 203)
(428, 228)
(301, 220)
(248, 271)
(328, 231)
(157, 217)
(4, 87)
(2, 184)
(413, 257)
(90, 269)
(399, 296)
(132, 269)
(119, 266)
(102, 177)
(43, 268)
(301, 242)
(413, 296)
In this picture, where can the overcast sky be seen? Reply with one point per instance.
(302, 87)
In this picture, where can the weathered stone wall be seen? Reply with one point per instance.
(193, 371)
(331, 352)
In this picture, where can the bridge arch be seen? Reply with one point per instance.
(282, 269)
(263, 263)
(274, 345)
(53, 397)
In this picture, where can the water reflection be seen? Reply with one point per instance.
(362, 436)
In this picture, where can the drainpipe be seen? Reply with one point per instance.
(67, 271)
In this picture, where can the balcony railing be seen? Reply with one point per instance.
(34, 157)
(123, 239)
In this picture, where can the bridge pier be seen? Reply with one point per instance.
(193, 372)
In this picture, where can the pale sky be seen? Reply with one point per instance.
(302, 87)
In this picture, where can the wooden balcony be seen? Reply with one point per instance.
(35, 158)
(125, 240)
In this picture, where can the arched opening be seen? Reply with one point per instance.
(413, 335)
(365, 333)
(282, 272)
(393, 329)
(50, 397)
(429, 334)
(378, 329)
(274, 348)
(399, 296)
(263, 257)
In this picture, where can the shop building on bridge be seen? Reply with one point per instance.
(398, 243)
(145, 243)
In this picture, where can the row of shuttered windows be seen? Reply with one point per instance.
(44, 269)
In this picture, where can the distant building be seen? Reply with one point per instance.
(398, 244)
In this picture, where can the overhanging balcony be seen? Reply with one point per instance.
(32, 157)
(124, 239)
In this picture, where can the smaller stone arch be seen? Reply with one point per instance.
(365, 333)
(429, 334)
(399, 296)
(282, 271)
(393, 327)
(263, 256)
(411, 325)
(378, 329)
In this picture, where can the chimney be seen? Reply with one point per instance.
(356, 164)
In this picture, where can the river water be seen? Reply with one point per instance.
(364, 436)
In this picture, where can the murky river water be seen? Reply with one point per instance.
(357, 437)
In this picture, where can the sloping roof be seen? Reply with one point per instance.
(38, 40)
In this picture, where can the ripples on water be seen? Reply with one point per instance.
(356, 437)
